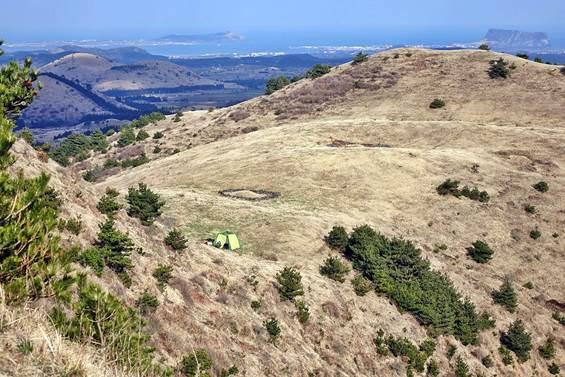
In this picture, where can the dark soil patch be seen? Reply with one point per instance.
(249, 194)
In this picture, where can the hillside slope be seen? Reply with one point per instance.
(357, 146)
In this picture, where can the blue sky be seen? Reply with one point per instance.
(51, 19)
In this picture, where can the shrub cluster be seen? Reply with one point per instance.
(76, 147)
(145, 120)
(337, 238)
(127, 136)
(163, 274)
(318, 70)
(158, 135)
(196, 364)
(541, 186)
(397, 269)
(273, 329)
(451, 187)
(402, 347)
(360, 58)
(147, 303)
(141, 135)
(178, 117)
(361, 286)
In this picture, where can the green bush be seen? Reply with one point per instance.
(303, 312)
(518, 340)
(535, 234)
(290, 283)
(449, 187)
(360, 58)
(163, 274)
(141, 135)
(178, 117)
(541, 186)
(127, 136)
(528, 285)
(547, 350)
(487, 361)
(530, 209)
(147, 303)
(554, 369)
(196, 364)
(437, 104)
(318, 70)
(506, 296)
(523, 56)
(93, 174)
(275, 84)
(157, 149)
(74, 225)
(116, 246)
(475, 194)
(402, 347)
(273, 329)
(144, 204)
(76, 147)
(256, 305)
(480, 252)
(158, 135)
(176, 240)
(559, 318)
(94, 258)
(499, 69)
(108, 204)
(484, 47)
(334, 268)
(337, 238)
(361, 286)
(396, 268)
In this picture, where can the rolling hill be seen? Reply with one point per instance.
(360, 145)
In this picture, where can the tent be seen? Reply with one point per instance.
(227, 240)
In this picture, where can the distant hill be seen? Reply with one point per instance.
(204, 38)
(515, 39)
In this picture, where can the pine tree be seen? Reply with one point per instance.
(176, 240)
(506, 296)
(334, 268)
(32, 264)
(547, 350)
(144, 204)
(290, 283)
(337, 238)
(518, 340)
(461, 368)
(117, 246)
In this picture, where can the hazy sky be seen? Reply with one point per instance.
(48, 19)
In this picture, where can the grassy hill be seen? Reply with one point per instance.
(360, 145)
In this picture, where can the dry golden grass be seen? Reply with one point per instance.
(502, 136)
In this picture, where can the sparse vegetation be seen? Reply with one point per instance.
(480, 252)
(461, 368)
(484, 47)
(141, 135)
(417, 356)
(302, 311)
(290, 283)
(517, 340)
(178, 117)
(147, 303)
(530, 209)
(26, 135)
(523, 56)
(559, 318)
(499, 69)
(147, 119)
(506, 296)
(505, 355)
(176, 240)
(158, 135)
(334, 268)
(554, 369)
(273, 329)
(144, 204)
(25, 346)
(528, 285)
(437, 104)
(487, 361)
(361, 286)
(547, 350)
(163, 273)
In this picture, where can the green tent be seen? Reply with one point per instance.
(227, 239)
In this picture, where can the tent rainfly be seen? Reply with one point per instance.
(227, 240)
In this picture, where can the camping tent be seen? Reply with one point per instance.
(228, 240)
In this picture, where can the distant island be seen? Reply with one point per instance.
(515, 39)
(204, 38)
